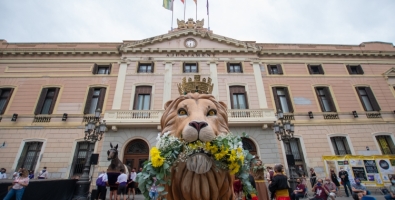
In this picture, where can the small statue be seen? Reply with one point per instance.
(181, 24)
(199, 23)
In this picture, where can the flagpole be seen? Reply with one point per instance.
(185, 5)
(196, 9)
(172, 12)
(208, 14)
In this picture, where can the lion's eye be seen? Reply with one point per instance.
(212, 113)
(182, 112)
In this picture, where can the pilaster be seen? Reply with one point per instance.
(120, 86)
(214, 78)
(167, 82)
(259, 85)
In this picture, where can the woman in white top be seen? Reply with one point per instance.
(19, 185)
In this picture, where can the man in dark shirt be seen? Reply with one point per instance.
(321, 193)
(345, 181)
(299, 191)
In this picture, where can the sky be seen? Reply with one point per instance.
(263, 21)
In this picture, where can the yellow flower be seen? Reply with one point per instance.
(154, 152)
(157, 161)
(239, 150)
(214, 149)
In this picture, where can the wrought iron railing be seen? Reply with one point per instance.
(342, 152)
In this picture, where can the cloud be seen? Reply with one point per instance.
(264, 21)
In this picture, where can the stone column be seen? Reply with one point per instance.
(167, 82)
(259, 85)
(120, 86)
(214, 77)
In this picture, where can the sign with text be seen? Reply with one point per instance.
(370, 166)
(359, 172)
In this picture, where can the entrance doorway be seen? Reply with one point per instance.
(249, 145)
(136, 153)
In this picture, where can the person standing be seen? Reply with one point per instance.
(31, 174)
(132, 183)
(16, 173)
(3, 174)
(313, 177)
(43, 174)
(102, 187)
(19, 186)
(122, 181)
(237, 188)
(345, 181)
(269, 174)
(252, 181)
(299, 190)
(279, 184)
(391, 195)
(153, 192)
(258, 173)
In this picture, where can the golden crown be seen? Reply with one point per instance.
(196, 85)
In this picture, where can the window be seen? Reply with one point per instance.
(47, 101)
(325, 99)
(191, 68)
(142, 99)
(367, 98)
(82, 152)
(146, 68)
(275, 69)
(315, 69)
(249, 145)
(5, 96)
(282, 99)
(94, 100)
(238, 97)
(386, 144)
(354, 69)
(29, 156)
(340, 146)
(293, 148)
(234, 68)
(101, 69)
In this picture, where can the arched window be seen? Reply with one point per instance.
(137, 147)
(249, 145)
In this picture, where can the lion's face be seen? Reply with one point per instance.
(195, 117)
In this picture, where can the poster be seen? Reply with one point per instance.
(392, 162)
(370, 166)
(371, 177)
(359, 172)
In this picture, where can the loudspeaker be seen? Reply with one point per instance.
(291, 160)
(94, 158)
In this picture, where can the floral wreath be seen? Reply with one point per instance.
(226, 151)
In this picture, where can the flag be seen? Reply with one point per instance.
(207, 7)
(195, 1)
(183, 1)
(168, 4)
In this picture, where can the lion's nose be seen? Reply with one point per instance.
(198, 125)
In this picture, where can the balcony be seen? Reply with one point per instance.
(152, 117)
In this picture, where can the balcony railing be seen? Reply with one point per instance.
(136, 117)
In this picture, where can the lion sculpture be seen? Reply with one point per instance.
(197, 117)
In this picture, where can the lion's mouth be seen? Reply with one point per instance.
(199, 163)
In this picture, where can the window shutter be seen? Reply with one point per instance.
(100, 101)
(88, 100)
(268, 69)
(183, 67)
(360, 98)
(55, 96)
(279, 69)
(320, 69)
(372, 99)
(246, 96)
(7, 101)
(231, 91)
(289, 102)
(276, 99)
(349, 69)
(360, 70)
(319, 99)
(329, 96)
(109, 68)
(152, 67)
(94, 69)
(309, 68)
(41, 100)
(228, 66)
(241, 68)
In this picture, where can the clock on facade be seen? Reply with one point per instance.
(190, 43)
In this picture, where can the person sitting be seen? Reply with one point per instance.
(299, 191)
(321, 193)
(358, 190)
(391, 195)
(331, 187)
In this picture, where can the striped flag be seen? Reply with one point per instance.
(183, 1)
(168, 4)
(195, 1)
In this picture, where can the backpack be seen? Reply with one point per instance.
(99, 182)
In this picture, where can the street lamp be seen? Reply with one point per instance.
(284, 129)
(94, 131)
